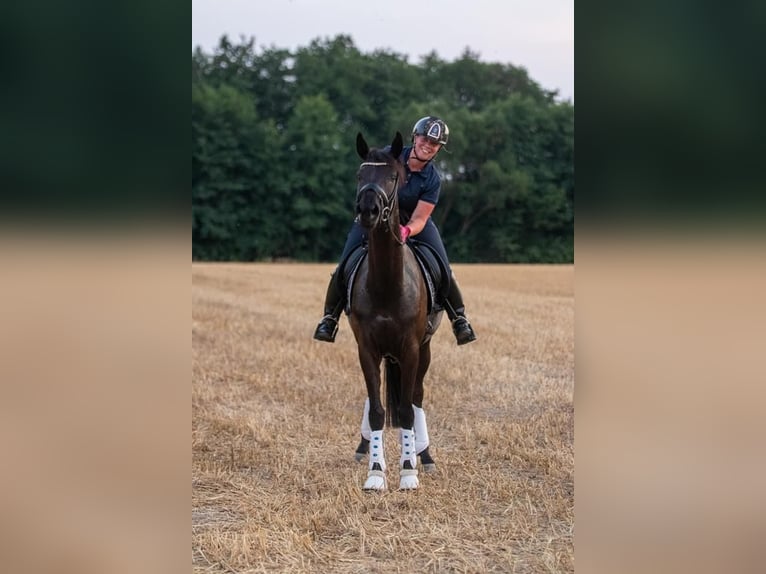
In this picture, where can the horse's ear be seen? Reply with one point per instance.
(397, 145)
(361, 146)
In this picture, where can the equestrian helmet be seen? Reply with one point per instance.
(433, 128)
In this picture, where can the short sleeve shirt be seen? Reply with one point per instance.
(423, 185)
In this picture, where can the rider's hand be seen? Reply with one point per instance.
(404, 231)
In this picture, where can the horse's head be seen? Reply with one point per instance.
(379, 178)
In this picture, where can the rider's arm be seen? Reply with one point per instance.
(420, 216)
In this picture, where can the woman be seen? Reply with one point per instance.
(417, 199)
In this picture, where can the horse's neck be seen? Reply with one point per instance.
(385, 263)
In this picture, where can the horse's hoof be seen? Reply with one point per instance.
(376, 480)
(428, 464)
(362, 449)
(408, 479)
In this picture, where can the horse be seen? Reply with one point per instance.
(388, 314)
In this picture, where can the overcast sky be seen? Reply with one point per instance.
(535, 34)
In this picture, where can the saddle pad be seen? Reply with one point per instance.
(354, 261)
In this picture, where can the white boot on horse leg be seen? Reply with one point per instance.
(376, 476)
(408, 475)
(365, 430)
(421, 438)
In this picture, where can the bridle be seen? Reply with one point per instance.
(388, 202)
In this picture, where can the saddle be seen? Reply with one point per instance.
(433, 269)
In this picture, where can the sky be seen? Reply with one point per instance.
(537, 35)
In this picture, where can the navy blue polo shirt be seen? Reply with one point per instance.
(423, 185)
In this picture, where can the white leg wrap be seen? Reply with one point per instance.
(376, 479)
(376, 449)
(421, 430)
(366, 420)
(407, 441)
(408, 477)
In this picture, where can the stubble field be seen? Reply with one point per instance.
(275, 421)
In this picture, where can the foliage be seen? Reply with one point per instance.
(273, 152)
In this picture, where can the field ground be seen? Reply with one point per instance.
(275, 420)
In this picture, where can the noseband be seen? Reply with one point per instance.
(387, 201)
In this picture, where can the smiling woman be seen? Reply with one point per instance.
(418, 194)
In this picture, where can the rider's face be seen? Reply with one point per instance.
(425, 148)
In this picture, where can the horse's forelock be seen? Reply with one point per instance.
(380, 155)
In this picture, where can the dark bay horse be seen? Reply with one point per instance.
(389, 316)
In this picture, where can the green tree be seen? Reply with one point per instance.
(509, 197)
(230, 177)
(321, 183)
(273, 157)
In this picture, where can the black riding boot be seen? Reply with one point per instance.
(456, 313)
(333, 305)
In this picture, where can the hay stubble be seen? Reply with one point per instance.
(275, 420)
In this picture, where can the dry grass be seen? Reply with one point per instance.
(276, 419)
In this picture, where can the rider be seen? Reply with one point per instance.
(417, 199)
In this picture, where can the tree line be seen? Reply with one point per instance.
(274, 161)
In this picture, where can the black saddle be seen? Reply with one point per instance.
(433, 269)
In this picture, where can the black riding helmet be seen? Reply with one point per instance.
(433, 128)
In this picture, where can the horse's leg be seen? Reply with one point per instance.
(376, 477)
(364, 444)
(408, 474)
(421, 427)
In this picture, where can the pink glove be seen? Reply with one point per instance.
(405, 231)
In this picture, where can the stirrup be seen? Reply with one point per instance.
(463, 330)
(326, 331)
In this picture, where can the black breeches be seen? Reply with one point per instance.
(429, 235)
